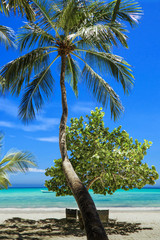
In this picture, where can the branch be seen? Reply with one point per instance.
(92, 181)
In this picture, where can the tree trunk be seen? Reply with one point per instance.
(93, 226)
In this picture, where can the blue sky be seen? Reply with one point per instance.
(142, 106)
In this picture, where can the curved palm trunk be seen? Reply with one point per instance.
(93, 226)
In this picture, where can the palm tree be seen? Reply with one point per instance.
(73, 31)
(12, 162)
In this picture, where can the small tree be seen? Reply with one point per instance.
(104, 161)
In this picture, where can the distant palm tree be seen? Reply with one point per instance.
(12, 162)
(73, 30)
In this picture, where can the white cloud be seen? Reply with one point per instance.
(48, 139)
(36, 170)
(43, 124)
(7, 124)
(83, 107)
(8, 107)
(40, 124)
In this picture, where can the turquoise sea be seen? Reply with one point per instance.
(34, 198)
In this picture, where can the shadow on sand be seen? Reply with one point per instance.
(18, 228)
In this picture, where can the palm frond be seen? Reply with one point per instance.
(72, 73)
(46, 13)
(3, 8)
(102, 91)
(19, 71)
(14, 161)
(112, 64)
(115, 10)
(31, 34)
(125, 10)
(7, 36)
(4, 181)
(129, 11)
(20, 7)
(36, 92)
(18, 161)
(101, 12)
(2, 85)
(72, 15)
(102, 36)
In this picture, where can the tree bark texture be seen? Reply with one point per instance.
(93, 226)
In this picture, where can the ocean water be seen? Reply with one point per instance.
(35, 198)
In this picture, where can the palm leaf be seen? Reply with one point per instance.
(32, 34)
(115, 10)
(35, 93)
(19, 71)
(2, 84)
(72, 73)
(102, 36)
(3, 8)
(46, 13)
(72, 15)
(102, 91)
(112, 64)
(99, 12)
(20, 7)
(7, 36)
(125, 10)
(129, 11)
(4, 181)
(17, 162)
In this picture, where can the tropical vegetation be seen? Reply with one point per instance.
(7, 38)
(14, 161)
(104, 161)
(70, 32)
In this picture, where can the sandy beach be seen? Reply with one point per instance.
(144, 223)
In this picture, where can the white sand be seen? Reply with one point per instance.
(149, 218)
(31, 213)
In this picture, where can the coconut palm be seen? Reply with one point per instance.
(12, 162)
(73, 31)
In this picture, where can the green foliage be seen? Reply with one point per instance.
(104, 161)
(7, 36)
(83, 31)
(12, 162)
(18, 7)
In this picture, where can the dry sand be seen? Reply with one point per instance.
(149, 220)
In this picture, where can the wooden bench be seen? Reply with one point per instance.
(74, 214)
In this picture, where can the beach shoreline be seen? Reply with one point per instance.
(148, 218)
